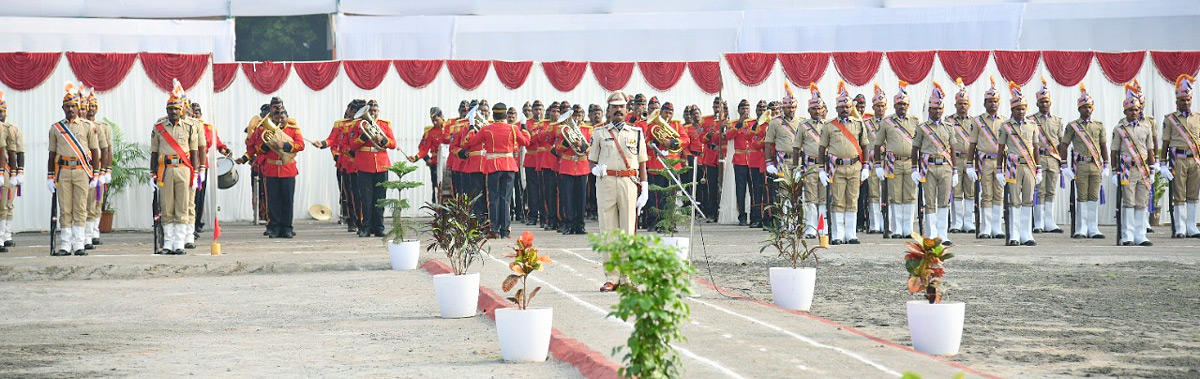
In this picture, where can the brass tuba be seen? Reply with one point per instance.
(572, 135)
(270, 134)
(369, 128)
(664, 133)
(763, 120)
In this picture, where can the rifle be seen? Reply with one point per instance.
(1008, 217)
(885, 208)
(1074, 210)
(54, 223)
(1176, 232)
(255, 187)
(863, 223)
(978, 193)
(1120, 219)
(829, 198)
(156, 210)
(921, 208)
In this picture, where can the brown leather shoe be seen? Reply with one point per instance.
(608, 287)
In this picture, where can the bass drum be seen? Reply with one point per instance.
(227, 177)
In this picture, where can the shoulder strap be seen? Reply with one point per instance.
(849, 136)
(1088, 143)
(80, 151)
(1187, 137)
(183, 155)
(940, 145)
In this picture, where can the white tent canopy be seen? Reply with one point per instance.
(41, 34)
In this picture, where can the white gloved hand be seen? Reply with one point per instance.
(483, 152)
(953, 178)
(95, 182)
(824, 176)
(879, 172)
(866, 173)
(1067, 173)
(1037, 177)
(600, 170)
(972, 174)
(19, 179)
(1115, 180)
(1166, 172)
(196, 183)
(644, 196)
(798, 174)
(1106, 172)
(108, 176)
(916, 176)
(3, 179)
(1000, 177)
(202, 175)
(50, 185)
(771, 169)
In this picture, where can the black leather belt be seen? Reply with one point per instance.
(937, 161)
(845, 161)
(1181, 153)
(1082, 158)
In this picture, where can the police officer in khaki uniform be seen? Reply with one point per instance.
(1019, 168)
(1050, 129)
(1088, 164)
(197, 125)
(13, 144)
(964, 191)
(777, 145)
(1133, 152)
(845, 145)
(174, 153)
(71, 167)
(982, 151)
(806, 154)
(88, 107)
(932, 147)
(1181, 154)
(618, 151)
(895, 138)
(874, 121)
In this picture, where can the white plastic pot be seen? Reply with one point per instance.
(680, 244)
(524, 334)
(936, 328)
(792, 288)
(457, 295)
(405, 254)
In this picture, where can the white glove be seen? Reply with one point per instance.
(107, 176)
(1000, 177)
(19, 179)
(483, 152)
(798, 174)
(916, 176)
(972, 174)
(202, 175)
(824, 176)
(50, 185)
(866, 173)
(95, 182)
(771, 169)
(3, 178)
(1106, 172)
(1067, 172)
(600, 170)
(1115, 181)
(196, 183)
(1166, 172)
(644, 196)
(1037, 177)
(879, 172)
(953, 178)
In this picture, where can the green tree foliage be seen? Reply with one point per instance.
(290, 38)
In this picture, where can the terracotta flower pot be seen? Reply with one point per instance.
(106, 219)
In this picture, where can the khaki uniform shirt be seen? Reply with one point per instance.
(962, 128)
(14, 140)
(1141, 136)
(1095, 132)
(781, 134)
(896, 134)
(604, 149)
(98, 127)
(978, 137)
(183, 134)
(1172, 126)
(1017, 137)
(808, 138)
(1051, 131)
(925, 142)
(83, 132)
(873, 124)
(836, 144)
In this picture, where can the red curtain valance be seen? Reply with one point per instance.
(418, 73)
(1067, 67)
(707, 76)
(612, 76)
(223, 75)
(911, 66)
(857, 68)
(965, 64)
(804, 68)
(317, 75)
(1121, 67)
(512, 74)
(266, 77)
(564, 75)
(468, 74)
(25, 71)
(1171, 64)
(366, 74)
(162, 67)
(101, 71)
(1016, 66)
(751, 68)
(661, 75)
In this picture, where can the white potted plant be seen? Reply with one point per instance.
(672, 212)
(936, 327)
(462, 236)
(524, 331)
(791, 287)
(404, 252)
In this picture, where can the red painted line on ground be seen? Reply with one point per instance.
(847, 328)
(590, 363)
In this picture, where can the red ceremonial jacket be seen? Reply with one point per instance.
(550, 133)
(741, 140)
(431, 141)
(367, 156)
(655, 162)
(757, 156)
(271, 164)
(452, 137)
(711, 140)
(501, 141)
(474, 162)
(695, 148)
(532, 157)
(572, 162)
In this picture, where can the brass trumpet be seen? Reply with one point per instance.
(664, 133)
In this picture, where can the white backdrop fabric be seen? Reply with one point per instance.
(1108, 98)
(40, 34)
(134, 106)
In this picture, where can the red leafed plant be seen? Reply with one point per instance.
(923, 260)
(525, 261)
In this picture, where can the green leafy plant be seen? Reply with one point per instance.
(653, 298)
(400, 224)
(786, 233)
(673, 210)
(457, 232)
(923, 260)
(525, 261)
(1160, 189)
(129, 166)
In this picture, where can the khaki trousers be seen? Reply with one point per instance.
(992, 192)
(965, 188)
(1049, 186)
(847, 180)
(902, 190)
(814, 190)
(8, 196)
(616, 204)
(173, 195)
(937, 187)
(93, 207)
(72, 197)
(873, 188)
(1021, 192)
(1135, 194)
(1087, 181)
(1187, 181)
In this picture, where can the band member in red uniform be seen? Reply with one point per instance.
(343, 163)
(517, 206)
(533, 166)
(500, 139)
(550, 166)
(431, 141)
(671, 147)
(210, 139)
(758, 166)
(741, 135)
(277, 156)
(713, 141)
(370, 146)
(472, 175)
(573, 170)
(454, 128)
(595, 118)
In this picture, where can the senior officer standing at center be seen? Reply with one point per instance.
(619, 154)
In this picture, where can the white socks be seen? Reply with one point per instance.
(189, 233)
(942, 229)
(1048, 216)
(876, 221)
(839, 232)
(1190, 220)
(849, 224)
(1142, 222)
(65, 241)
(810, 219)
(1037, 216)
(1092, 209)
(79, 234)
(997, 221)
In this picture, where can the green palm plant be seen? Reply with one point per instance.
(128, 166)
